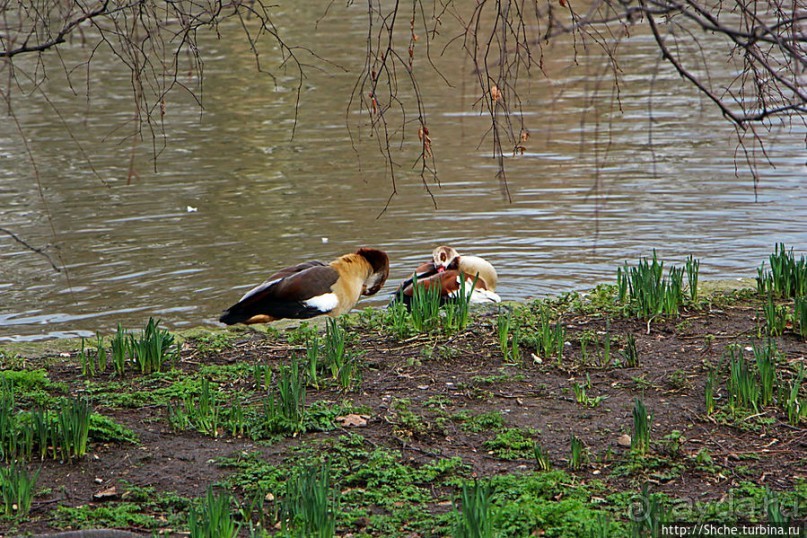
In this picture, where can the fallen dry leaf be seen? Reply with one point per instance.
(353, 420)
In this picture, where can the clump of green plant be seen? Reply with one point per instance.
(474, 518)
(542, 461)
(787, 277)
(581, 394)
(73, 428)
(17, 488)
(775, 317)
(630, 355)
(457, 311)
(284, 407)
(214, 343)
(92, 362)
(800, 316)
(765, 359)
(773, 507)
(342, 363)
(578, 453)
(201, 413)
(550, 337)
(648, 522)
(508, 338)
(121, 352)
(709, 392)
(308, 508)
(213, 518)
(150, 350)
(153, 347)
(640, 440)
(312, 352)
(64, 433)
(479, 423)
(424, 307)
(692, 268)
(648, 293)
(794, 405)
(397, 320)
(742, 386)
(512, 443)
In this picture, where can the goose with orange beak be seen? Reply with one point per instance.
(312, 289)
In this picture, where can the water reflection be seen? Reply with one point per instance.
(263, 200)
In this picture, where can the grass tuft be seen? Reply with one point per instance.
(475, 515)
(640, 440)
(308, 508)
(648, 294)
(214, 517)
(787, 277)
(17, 488)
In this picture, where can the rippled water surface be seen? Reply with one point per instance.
(234, 197)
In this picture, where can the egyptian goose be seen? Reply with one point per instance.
(446, 269)
(312, 289)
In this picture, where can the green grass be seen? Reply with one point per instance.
(709, 392)
(542, 461)
(474, 515)
(308, 508)
(284, 408)
(692, 269)
(795, 406)
(549, 336)
(153, 347)
(581, 395)
(646, 291)
(775, 316)
(17, 488)
(202, 413)
(766, 358)
(424, 308)
(73, 429)
(800, 316)
(787, 277)
(630, 355)
(512, 443)
(509, 338)
(63, 434)
(213, 518)
(578, 454)
(743, 385)
(491, 421)
(642, 422)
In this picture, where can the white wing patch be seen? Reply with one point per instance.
(475, 295)
(324, 303)
(260, 287)
(485, 296)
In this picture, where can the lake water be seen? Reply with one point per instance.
(234, 197)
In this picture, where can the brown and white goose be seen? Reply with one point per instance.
(312, 289)
(447, 269)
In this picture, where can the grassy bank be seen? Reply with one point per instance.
(656, 399)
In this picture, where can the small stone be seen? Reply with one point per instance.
(623, 440)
